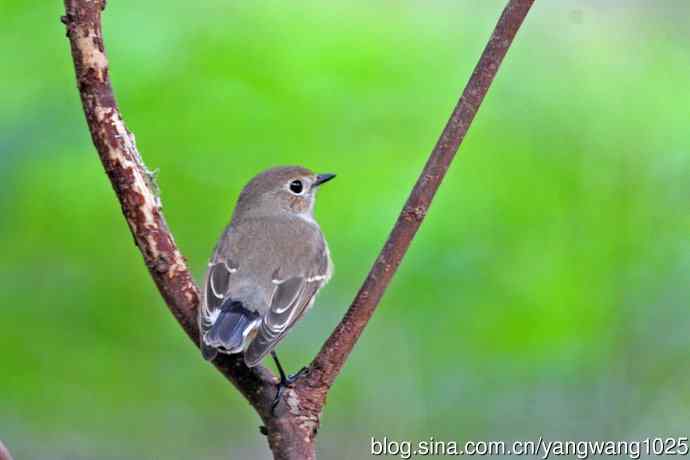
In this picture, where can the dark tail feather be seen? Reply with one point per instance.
(208, 352)
(227, 333)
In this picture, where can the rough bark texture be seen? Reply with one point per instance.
(291, 431)
(135, 187)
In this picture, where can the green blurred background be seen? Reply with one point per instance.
(547, 292)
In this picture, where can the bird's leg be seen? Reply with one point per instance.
(281, 385)
(294, 377)
(285, 380)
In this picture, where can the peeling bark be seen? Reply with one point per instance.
(292, 430)
(137, 192)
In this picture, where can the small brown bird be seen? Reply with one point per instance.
(267, 267)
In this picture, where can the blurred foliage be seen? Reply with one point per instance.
(546, 293)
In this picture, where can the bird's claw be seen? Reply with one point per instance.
(284, 383)
(296, 376)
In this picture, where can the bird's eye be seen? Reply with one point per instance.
(296, 187)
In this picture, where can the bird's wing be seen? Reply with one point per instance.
(292, 297)
(216, 288)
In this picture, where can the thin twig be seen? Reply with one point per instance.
(330, 360)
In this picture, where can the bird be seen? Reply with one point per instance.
(266, 269)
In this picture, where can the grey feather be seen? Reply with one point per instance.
(271, 261)
(278, 321)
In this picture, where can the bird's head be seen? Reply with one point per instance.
(283, 189)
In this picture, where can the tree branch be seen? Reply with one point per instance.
(330, 360)
(291, 431)
(136, 189)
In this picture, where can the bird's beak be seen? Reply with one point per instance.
(322, 179)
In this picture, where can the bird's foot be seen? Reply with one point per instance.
(284, 383)
(296, 376)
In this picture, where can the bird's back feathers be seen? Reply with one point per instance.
(248, 303)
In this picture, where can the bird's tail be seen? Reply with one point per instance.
(230, 331)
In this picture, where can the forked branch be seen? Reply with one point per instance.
(292, 429)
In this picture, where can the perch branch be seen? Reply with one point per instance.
(291, 431)
(137, 192)
(330, 360)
